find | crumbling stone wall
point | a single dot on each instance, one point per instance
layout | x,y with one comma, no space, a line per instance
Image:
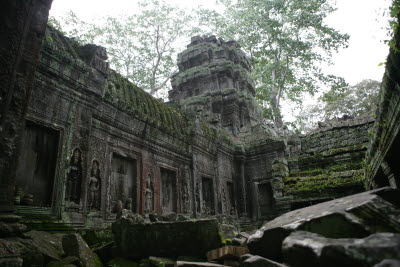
325,164
118,147
23,25
115,146
382,168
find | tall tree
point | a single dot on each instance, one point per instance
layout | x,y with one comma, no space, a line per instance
355,100
141,46
286,41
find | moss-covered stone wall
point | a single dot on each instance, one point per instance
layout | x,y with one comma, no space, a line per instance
326,163
382,167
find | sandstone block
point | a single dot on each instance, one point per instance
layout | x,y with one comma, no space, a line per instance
227,252
355,216
302,249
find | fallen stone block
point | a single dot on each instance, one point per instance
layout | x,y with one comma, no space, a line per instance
388,263
196,264
48,244
165,239
305,249
258,261
226,253
156,261
105,252
238,241
74,245
355,216
14,250
66,262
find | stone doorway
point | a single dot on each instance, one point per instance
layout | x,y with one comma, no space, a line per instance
231,196
168,190
265,199
123,181
37,166
208,195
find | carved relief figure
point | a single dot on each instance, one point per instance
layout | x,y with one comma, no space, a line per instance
94,186
121,183
223,193
185,196
74,177
197,196
148,202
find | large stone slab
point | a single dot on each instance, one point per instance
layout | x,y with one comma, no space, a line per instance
257,261
74,245
305,249
165,239
48,244
354,216
196,264
227,252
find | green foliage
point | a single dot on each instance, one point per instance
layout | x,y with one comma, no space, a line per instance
394,23
286,41
355,100
142,46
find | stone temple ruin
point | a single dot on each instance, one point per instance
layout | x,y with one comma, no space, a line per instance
93,139
92,149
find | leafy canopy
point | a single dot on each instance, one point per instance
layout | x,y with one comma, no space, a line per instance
357,100
141,46
286,41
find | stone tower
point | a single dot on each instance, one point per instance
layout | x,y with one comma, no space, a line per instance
214,81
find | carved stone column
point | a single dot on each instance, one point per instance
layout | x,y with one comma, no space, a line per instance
22,27
242,189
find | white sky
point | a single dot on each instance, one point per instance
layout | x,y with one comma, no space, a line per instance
362,19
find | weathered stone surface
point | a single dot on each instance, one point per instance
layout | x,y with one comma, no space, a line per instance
383,151
129,216
105,252
349,217
74,245
238,241
196,264
48,244
258,261
388,263
156,261
165,239
228,225
66,262
227,252
14,249
302,249
324,164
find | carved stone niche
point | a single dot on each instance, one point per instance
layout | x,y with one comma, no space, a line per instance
207,196
168,190
231,198
265,198
123,182
37,166
94,187
149,195
74,178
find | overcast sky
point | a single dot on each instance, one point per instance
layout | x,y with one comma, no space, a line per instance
362,19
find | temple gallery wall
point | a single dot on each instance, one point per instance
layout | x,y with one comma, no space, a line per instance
94,141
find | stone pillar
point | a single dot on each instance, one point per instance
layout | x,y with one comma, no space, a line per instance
242,190
280,170
23,24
